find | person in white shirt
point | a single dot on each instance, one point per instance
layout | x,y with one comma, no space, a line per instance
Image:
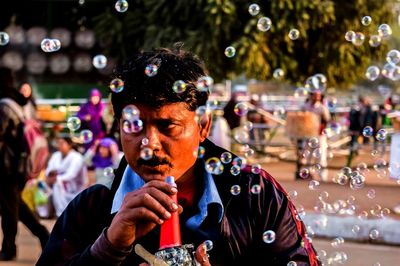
66,173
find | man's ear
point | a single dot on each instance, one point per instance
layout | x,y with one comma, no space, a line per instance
205,126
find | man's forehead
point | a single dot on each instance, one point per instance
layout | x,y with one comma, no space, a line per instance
166,111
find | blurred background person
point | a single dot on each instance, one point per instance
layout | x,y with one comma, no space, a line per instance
13,176
30,107
66,174
103,156
91,114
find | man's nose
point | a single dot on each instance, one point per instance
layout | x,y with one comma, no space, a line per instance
151,139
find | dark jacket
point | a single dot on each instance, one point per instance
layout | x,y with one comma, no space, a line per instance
11,136
237,239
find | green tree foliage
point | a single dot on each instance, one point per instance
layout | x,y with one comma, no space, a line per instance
207,27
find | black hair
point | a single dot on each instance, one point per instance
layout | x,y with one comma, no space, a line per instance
7,77
156,91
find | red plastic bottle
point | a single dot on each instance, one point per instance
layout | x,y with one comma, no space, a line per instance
170,235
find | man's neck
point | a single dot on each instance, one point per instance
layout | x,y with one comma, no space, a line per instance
189,187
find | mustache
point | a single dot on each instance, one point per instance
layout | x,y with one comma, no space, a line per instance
154,161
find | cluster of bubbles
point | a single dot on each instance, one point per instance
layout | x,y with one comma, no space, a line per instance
74,124
131,119
99,61
390,70
358,38
50,45
4,38
121,6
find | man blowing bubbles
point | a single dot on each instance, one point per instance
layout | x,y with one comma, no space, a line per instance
160,136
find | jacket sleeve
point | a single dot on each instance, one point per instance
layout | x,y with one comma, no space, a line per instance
77,229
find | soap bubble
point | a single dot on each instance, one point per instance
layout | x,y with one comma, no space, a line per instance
212,165
384,30
304,173
130,112
367,131
205,83
117,85
357,181
337,241
278,73
291,263
374,234
349,36
151,70
50,45
264,24
362,167
145,141
355,229
4,38
375,40
134,126
248,125
294,34
235,190
230,51
255,189
108,172
241,109
208,245
73,123
381,134
292,194
366,20
146,153
200,152
301,91
235,170
99,61
254,9
256,168
372,73
121,6
313,143
269,236
393,57
371,194
226,157
86,136
179,86
239,161
248,153
358,39
240,135
313,185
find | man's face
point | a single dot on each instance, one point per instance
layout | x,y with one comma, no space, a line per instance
173,135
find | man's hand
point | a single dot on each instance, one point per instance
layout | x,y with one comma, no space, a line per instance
140,212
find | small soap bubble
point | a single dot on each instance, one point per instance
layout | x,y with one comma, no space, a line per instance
212,165
358,39
241,135
294,34
145,141
304,173
371,194
56,45
374,234
264,24
313,143
349,36
205,83
278,73
381,134
366,20
292,194
73,123
179,86
362,167
363,215
368,131
108,172
317,153
313,185
384,212
393,57
235,170
86,136
256,168
137,125
355,229
255,189
375,40
254,9
249,153
4,38
291,263
200,152
99,61
117,85
239,161
235,190
337,241
269,236
121,6
130,112
127,126
146,153
301,91
248,125
46,45
374,153
226,157
372,73
357,181
230,51
384,30
151,70
241,109
208,245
